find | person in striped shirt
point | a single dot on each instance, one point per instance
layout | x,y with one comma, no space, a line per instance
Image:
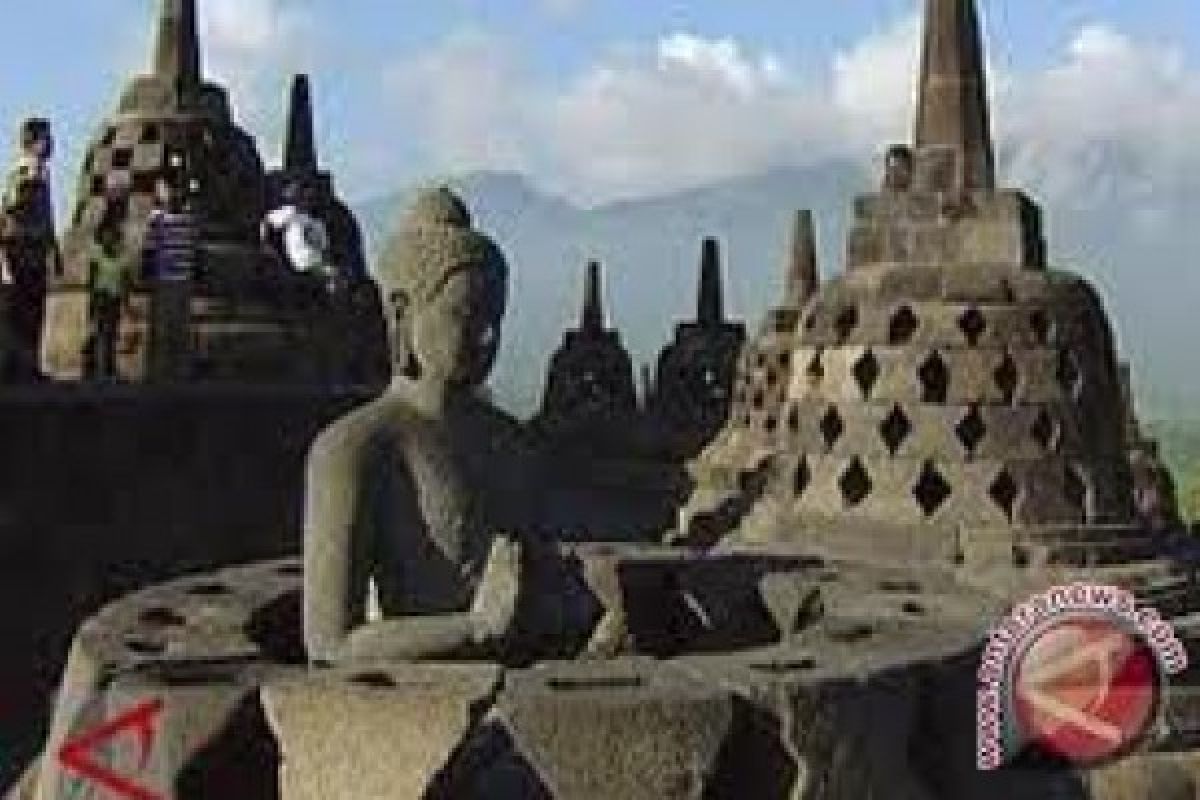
172,233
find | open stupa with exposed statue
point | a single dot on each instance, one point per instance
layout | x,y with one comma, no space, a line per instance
911,446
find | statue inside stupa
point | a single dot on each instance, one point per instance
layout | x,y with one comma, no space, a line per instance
418,494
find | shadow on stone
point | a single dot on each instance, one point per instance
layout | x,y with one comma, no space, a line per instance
241,761
489,767
753,761
278,629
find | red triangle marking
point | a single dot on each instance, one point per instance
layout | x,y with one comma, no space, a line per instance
76,754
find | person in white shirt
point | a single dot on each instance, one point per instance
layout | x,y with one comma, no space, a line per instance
304,235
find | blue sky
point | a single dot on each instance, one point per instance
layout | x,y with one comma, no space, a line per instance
376,133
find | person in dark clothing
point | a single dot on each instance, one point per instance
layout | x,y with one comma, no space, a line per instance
29,245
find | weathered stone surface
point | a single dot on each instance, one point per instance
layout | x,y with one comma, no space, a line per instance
374,733
628,729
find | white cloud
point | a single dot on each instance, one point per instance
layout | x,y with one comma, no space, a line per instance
254,47
470,102
1111,114
1114,117
873,82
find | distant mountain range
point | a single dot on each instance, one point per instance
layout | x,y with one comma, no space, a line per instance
1145,269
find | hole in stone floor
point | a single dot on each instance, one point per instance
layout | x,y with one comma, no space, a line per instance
599,682
916,609
209,590
781,667
896,586
852,633
291,570
162,617
145,647
375,680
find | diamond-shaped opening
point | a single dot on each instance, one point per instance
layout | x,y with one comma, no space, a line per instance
760,400
971,430
122,158
1070,377
855,484
760,361
771,424
793,420
866,373
99,185
1004,492
772,378
1043,328
785,360
110,136
903,326
144,183
932,490
803,477
1076,490
846,322
815,370
1046,431
1007,378
151,133
895,429
973,325
832,427
935,379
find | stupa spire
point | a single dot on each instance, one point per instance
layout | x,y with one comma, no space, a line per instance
300,147
710,305
952,107
593,301
802,280
177,46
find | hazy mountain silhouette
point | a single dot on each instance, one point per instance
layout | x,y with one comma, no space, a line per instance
650,247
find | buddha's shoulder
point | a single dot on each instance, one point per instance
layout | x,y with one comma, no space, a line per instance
364,429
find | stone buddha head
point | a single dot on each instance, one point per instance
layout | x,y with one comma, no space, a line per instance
445,289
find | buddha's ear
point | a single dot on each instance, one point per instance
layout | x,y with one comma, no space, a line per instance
399,307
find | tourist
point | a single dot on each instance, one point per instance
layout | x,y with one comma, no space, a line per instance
172,231
28,245
305,237
109,279
171,262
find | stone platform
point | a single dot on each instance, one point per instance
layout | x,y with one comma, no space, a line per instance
755,675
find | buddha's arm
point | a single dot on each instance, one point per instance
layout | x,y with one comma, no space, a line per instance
416,638
336,537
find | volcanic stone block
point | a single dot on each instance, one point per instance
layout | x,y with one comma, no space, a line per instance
634,729
374,735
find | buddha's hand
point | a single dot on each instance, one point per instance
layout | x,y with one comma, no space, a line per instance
495,607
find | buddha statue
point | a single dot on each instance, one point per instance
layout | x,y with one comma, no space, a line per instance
412,499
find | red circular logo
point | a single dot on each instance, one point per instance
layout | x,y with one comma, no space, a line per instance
1085,689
